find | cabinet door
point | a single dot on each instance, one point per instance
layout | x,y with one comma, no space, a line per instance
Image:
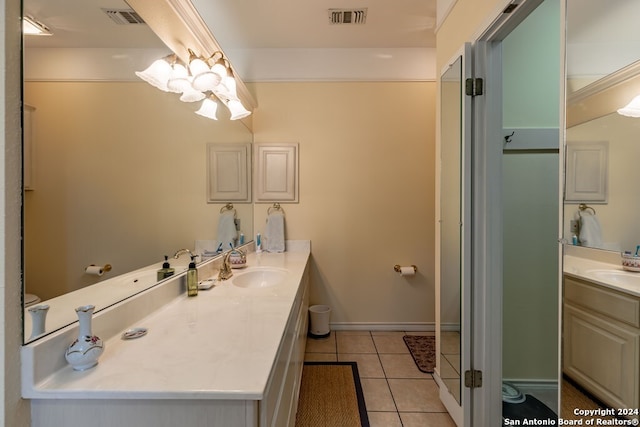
602,356
276,169
228,173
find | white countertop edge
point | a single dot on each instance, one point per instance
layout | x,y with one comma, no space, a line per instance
146,395
579,267
67,384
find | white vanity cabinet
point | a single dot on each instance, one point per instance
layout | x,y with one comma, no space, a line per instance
240,364
278,408
601,341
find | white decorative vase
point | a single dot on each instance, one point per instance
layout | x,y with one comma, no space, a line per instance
38,319
84,352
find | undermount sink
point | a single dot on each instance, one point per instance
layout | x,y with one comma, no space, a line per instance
616,276
259,277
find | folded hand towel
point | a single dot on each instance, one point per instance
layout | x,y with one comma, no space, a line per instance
226,231
274,232
590,231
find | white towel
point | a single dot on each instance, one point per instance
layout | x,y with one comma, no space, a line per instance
274,233
226,231
590,231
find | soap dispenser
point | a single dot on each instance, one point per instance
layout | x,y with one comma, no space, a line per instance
166,269
192,278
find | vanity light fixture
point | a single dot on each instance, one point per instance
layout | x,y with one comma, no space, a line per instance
32,27
237,109
198,81
179,79
632,109
159,72
229,89
204,78
208,108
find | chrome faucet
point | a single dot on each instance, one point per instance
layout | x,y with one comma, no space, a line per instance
182,252
225,271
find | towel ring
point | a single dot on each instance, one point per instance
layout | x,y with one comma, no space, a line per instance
583,207
276,207
228,207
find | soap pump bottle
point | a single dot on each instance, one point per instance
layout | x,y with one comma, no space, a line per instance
166,269
192,278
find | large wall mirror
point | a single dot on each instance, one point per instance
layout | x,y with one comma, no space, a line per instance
451,195
115,170
603,69
603,75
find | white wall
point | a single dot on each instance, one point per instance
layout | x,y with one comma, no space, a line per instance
366,193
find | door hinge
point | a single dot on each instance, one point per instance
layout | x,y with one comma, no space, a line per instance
473,379
474,87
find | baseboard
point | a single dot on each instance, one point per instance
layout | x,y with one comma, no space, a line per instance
450,327
375,326
532,384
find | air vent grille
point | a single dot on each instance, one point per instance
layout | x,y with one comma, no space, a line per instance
124,16
348,16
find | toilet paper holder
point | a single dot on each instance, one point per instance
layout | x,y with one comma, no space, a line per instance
94,269
398,269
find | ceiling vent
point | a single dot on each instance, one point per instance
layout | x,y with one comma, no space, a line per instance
124,16
348,16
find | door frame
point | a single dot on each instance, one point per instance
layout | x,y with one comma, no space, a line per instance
487,218
460,412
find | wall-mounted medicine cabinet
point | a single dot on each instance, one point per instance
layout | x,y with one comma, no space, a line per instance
229,173
276,173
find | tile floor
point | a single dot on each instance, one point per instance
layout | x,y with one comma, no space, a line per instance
396,393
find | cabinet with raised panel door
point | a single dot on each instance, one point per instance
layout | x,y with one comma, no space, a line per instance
601,341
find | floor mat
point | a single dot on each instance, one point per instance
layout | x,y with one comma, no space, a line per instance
423,351
331,395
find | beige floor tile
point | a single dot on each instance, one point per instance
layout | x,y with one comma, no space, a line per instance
374,333
390,343
377,395
423,419
353,332
355,343
384,419
416,395
322,345
454,360
401,366
369,365
320,357
450,343
447,370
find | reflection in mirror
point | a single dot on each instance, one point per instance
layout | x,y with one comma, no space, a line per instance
618,216
603,56
601,38
118,171
596,89
450,230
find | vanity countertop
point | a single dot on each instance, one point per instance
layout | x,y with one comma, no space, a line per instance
607,274
221,344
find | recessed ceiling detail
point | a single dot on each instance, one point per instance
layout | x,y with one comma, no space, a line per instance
348,16
124,16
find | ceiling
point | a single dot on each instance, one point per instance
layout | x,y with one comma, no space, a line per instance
250,24
596,29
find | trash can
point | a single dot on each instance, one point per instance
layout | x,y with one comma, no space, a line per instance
319,321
